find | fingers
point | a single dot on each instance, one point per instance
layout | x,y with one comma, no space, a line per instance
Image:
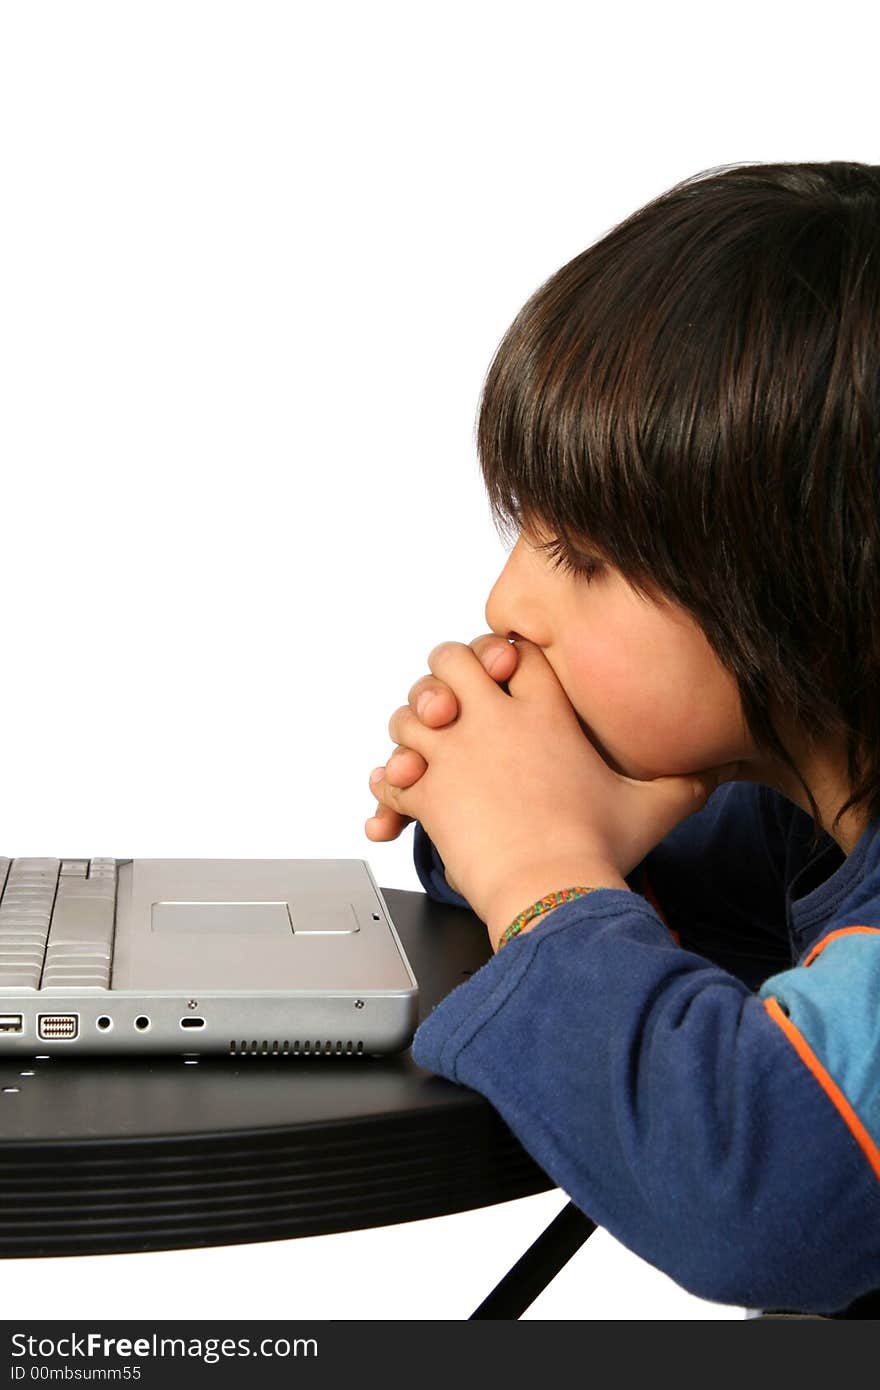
433,700
404,767
386,824
435,705
534,674
498,656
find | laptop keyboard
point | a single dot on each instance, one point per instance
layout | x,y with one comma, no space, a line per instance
57,920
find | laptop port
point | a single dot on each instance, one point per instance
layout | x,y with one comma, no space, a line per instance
191,1022
11,1023
64,1026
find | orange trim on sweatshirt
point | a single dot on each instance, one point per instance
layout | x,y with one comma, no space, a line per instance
828,1084
839,931
652,898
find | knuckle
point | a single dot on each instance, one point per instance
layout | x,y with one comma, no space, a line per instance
395,722
424,683
391,793
395,767
442,650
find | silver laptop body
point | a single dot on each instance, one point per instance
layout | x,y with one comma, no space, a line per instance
240,956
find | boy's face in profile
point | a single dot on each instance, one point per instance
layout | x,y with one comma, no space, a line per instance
645,682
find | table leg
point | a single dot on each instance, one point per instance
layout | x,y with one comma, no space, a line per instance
542,1262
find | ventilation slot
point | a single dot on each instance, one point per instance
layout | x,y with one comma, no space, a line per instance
295,1049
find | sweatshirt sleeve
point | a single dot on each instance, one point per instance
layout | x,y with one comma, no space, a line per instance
660,1093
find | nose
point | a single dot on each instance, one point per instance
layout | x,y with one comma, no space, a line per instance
495,608
505,604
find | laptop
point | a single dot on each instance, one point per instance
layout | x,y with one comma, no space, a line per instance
255,957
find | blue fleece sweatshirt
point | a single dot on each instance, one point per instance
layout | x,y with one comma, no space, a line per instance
697,1062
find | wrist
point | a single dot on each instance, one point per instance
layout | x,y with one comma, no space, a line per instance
516,896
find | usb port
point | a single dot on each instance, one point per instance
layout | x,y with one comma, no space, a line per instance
11,1023
190,1022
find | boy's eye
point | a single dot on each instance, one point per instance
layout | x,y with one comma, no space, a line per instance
564,559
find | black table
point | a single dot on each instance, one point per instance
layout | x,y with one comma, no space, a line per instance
105,1156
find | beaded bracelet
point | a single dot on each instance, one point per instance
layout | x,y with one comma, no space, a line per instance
546,904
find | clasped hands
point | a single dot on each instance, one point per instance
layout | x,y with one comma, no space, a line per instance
510,789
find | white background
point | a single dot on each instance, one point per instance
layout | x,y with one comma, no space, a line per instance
256,258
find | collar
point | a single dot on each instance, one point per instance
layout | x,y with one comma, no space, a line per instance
844,882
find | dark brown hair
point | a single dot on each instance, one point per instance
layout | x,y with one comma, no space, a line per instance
696,399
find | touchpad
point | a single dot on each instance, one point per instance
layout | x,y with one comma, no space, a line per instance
246,918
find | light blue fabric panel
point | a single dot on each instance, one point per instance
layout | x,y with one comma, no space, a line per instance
835,1005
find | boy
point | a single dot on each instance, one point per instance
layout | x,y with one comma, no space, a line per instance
681,1021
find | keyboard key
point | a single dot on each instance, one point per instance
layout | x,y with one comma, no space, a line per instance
25,913
83,924
78,867
78,898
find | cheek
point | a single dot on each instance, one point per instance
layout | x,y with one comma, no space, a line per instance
655,699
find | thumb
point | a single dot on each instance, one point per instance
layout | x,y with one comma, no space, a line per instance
658,806
681,796
716,776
